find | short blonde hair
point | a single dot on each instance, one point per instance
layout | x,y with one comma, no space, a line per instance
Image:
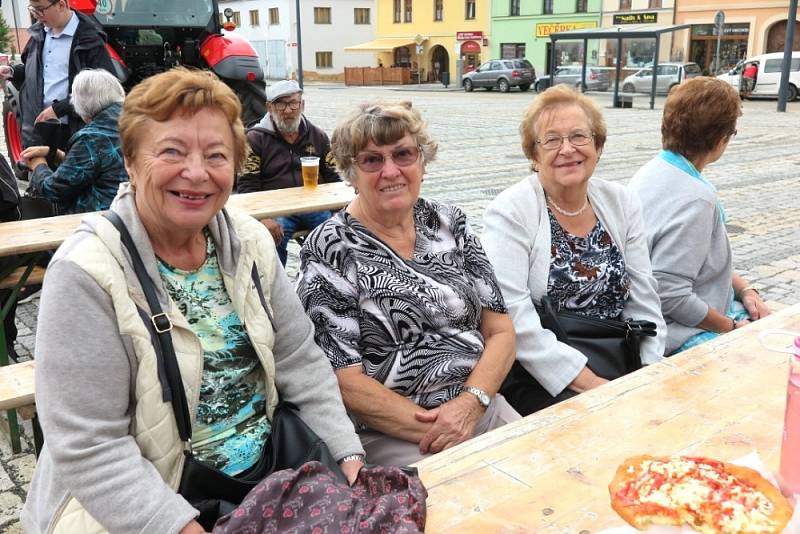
698,114
381,123
555,97
185,92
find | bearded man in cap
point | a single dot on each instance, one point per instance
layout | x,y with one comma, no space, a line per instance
277,143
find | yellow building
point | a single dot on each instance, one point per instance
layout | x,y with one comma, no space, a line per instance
431,36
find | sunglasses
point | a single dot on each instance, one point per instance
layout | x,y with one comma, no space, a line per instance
373,161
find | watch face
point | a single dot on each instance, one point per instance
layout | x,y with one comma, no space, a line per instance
485,400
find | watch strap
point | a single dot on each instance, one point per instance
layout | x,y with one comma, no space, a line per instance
483,398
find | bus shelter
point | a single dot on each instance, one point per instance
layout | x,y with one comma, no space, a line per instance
617,34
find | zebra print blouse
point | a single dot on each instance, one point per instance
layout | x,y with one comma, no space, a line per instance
413,325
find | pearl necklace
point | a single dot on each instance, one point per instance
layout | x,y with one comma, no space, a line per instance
565,212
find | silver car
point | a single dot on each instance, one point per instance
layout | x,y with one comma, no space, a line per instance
502,74
669,75
597,79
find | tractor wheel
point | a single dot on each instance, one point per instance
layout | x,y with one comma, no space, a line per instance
12,128
253,98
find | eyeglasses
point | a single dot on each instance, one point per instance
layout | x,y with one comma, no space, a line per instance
281,106
39,11
576,138
373,161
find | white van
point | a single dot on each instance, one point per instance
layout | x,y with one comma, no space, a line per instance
769,75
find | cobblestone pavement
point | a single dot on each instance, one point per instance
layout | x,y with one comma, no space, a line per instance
758,179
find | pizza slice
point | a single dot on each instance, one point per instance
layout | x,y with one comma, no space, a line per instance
707,495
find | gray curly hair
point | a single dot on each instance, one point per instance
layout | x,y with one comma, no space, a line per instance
381,123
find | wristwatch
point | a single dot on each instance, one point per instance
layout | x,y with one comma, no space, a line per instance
483,397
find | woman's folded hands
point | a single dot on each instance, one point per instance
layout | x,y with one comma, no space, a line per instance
453,422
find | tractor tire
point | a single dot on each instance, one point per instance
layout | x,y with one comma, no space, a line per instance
628,88
468,85
253,97
12,128
503,86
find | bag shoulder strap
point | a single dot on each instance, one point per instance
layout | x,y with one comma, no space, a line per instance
163,327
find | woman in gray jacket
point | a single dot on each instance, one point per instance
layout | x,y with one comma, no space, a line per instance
577,239
701,295
113,458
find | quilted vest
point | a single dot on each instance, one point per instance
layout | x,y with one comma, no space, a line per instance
100,257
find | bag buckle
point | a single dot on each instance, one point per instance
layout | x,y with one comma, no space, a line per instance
161,323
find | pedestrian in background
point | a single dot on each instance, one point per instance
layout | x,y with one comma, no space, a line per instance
62,43
277,143
701,295
90,174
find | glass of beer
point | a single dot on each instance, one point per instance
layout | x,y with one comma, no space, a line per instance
310,165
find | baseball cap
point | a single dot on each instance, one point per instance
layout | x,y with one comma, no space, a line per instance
281,89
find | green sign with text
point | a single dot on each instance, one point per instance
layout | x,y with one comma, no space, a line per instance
636,18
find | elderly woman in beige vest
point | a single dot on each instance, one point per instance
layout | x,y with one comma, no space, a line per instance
113,458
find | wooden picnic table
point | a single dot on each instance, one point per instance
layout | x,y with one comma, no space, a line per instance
36,235
550,471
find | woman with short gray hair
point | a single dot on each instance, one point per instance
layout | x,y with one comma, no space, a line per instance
93,168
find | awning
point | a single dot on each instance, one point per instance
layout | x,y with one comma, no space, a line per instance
380,45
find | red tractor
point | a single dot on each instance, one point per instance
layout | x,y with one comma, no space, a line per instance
146,37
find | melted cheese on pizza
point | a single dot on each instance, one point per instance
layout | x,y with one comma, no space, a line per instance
704,490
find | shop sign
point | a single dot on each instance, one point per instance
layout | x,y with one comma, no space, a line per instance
469,36
703,30
636,18
544,30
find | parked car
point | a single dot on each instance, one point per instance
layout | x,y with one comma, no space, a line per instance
769,75
502,74
597,79
669,75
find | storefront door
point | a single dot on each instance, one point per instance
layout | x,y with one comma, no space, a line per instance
471,54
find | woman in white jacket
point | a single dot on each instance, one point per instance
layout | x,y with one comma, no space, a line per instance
578,240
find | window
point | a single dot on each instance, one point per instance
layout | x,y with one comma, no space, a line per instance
324,60
547,7
254,18
408,11
397,10
237,19
402,56
654,4
513,9
624,5
512,50
438,10
580,6
469,11
775,65
274,16
322,15
361,15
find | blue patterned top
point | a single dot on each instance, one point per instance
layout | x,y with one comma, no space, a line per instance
231,425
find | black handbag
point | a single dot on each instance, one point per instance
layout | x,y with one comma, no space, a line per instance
291,442
613,349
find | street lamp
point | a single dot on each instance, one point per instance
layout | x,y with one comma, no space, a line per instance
299,47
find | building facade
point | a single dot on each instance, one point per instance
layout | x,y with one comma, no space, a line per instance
522,28
752,27
626,14
432,36
326,28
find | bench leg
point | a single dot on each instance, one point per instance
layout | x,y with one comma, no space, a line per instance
13,425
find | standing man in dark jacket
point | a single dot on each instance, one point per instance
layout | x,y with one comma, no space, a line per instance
277,143
62,43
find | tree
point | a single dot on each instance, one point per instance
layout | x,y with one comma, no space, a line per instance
5,35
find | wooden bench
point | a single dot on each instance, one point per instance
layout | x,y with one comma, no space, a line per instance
17,397
11,281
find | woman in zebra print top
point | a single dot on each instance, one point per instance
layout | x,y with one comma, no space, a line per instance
404,301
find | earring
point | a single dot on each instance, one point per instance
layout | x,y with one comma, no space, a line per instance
534,167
